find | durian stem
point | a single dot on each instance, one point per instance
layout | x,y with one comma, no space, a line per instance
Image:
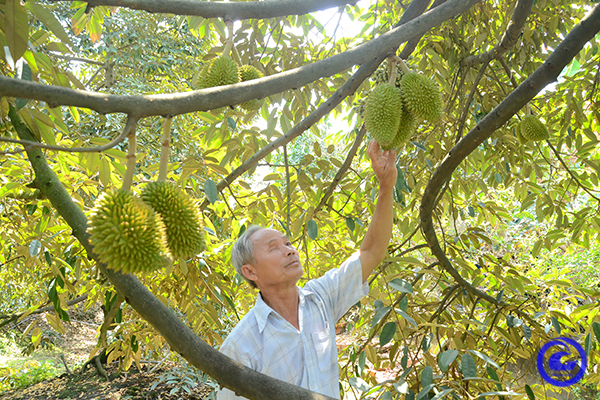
402,65
128,179
236,56
165,150
229,42
528,109
392,71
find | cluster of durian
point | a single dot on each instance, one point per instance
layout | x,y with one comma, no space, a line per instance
531,129
391,112
223,70
144,234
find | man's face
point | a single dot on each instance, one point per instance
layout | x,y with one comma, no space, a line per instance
277,261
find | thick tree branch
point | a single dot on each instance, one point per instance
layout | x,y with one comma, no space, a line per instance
510,37
545,74
411,45
216,9
213,98
231,374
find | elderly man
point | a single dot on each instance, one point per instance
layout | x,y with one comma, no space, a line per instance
290,332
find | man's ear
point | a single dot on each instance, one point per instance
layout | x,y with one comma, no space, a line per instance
248,272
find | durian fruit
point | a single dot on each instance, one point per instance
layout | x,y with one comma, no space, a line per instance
248,72
182,219
421,96
127,234
406,128
519,135
383,109
220,71
531,128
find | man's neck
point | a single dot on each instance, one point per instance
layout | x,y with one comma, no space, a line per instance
284,302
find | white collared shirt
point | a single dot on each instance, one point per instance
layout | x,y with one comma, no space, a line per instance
267,343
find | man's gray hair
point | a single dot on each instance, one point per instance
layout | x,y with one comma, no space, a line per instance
243,252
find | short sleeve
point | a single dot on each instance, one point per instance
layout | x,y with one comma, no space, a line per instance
228,348
340,288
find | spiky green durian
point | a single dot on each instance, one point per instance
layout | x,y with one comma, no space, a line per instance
383,109
531,128
421,96
182,219
127,234
519,135
248,72
220,71
406,128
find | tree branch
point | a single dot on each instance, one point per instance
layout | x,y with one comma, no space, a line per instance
545,74
216,9
510,37
213,98
13,317
410,46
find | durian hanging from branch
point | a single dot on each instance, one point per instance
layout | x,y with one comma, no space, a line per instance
531,128
126,233
180,214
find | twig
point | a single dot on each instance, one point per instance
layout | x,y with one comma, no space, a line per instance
463,117
287,189
108,318
131,156
339,175
165,150
581,185
29,144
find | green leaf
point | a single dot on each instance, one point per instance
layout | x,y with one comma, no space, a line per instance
401,285
493,375
596,329
407,317
426,343
17,29
312,229
526,331
447,358
555,324
588,344
425,391
387,333
529,392
350,224
498,177
379,314
210,189
50,21
427,376
484,358
23,72
34,247
231,123
468,366
359,384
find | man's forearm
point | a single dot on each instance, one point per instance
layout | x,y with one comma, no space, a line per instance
374,246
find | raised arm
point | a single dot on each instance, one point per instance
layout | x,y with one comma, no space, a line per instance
374,245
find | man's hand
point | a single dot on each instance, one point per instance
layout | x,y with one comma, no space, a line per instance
384,165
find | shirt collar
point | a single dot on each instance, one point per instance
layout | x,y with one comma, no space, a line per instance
262,310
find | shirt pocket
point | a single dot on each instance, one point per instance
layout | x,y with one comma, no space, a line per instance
322,345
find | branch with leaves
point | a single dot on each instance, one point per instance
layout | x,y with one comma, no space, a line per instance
548,72
509,39
213,98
